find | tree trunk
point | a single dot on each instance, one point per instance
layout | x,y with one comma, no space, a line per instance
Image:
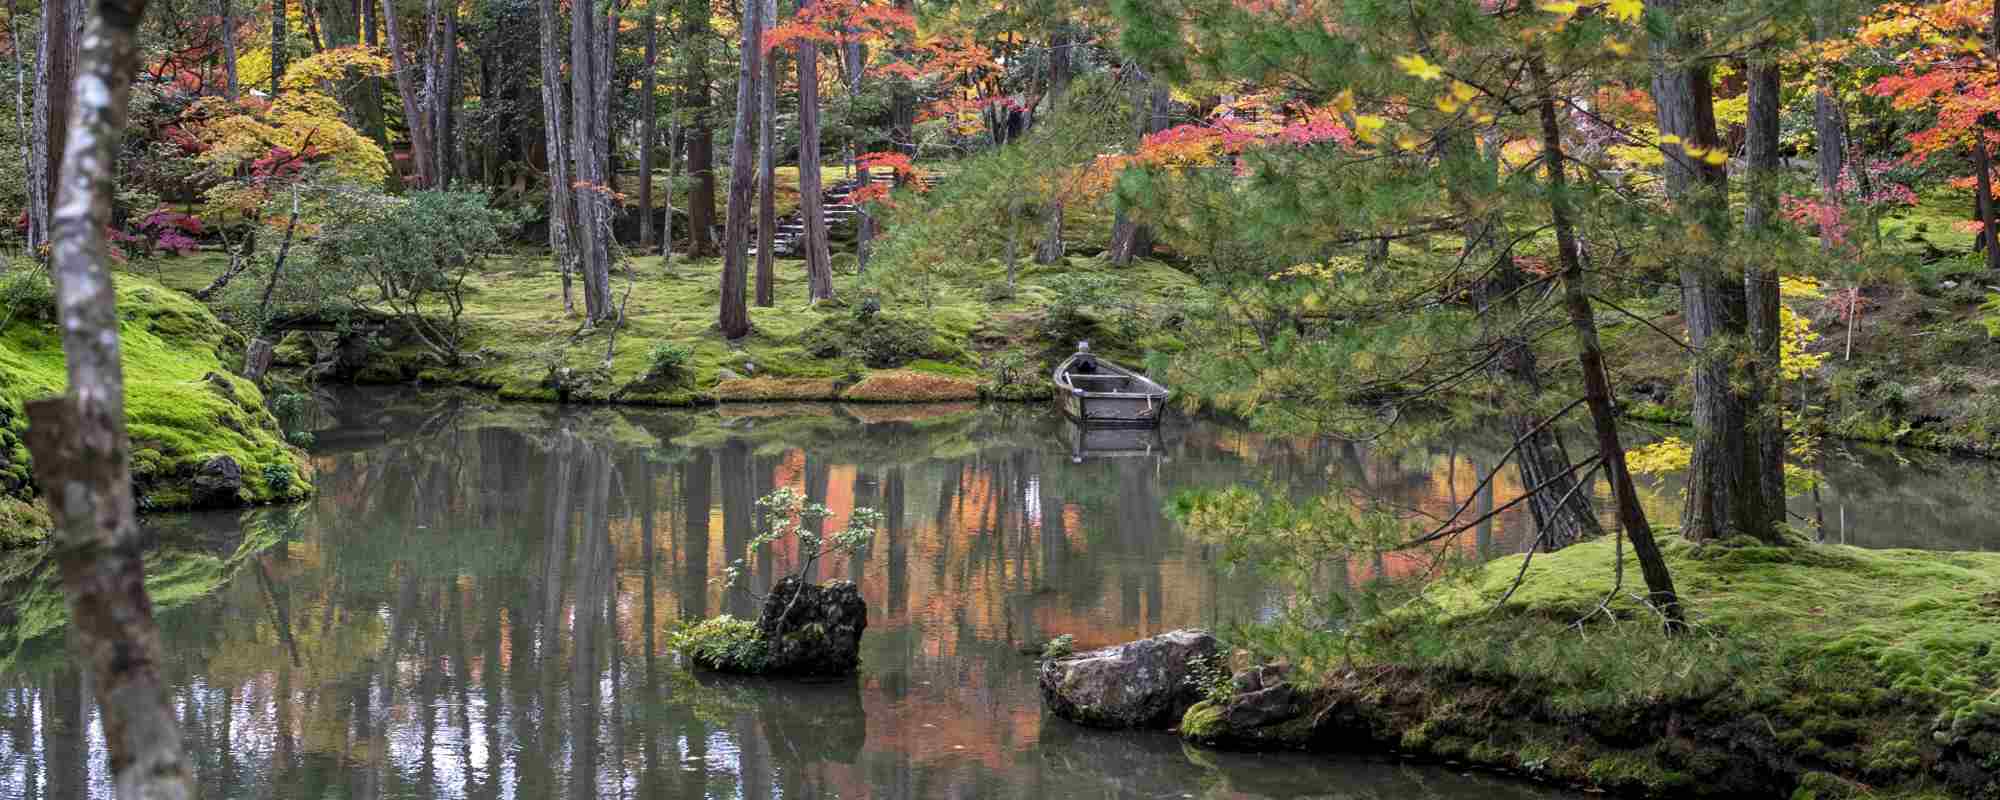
446,99
368,96
1129,239
414,115
1050,250
81,453
767,170
555,103
55,77
673,174
1060,72
648,125
280,36
230,88
701,133
1760,221
1829,129
1597,384
819,259
902,109
735,316
587,63
1982,167
1724,495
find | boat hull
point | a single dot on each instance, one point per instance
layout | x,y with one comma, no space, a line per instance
1125,410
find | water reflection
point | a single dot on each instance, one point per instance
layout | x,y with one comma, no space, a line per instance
475,606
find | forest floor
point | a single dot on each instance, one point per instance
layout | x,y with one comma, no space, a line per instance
1822,672
523,345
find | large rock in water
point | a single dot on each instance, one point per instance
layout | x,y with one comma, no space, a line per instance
1142,684
814,631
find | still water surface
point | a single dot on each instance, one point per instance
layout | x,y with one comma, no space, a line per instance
476,605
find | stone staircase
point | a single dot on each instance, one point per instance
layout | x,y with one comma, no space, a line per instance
791,233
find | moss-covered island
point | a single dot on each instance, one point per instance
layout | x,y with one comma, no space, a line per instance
201,435
1810,672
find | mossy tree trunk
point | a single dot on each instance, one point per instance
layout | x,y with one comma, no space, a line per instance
81,451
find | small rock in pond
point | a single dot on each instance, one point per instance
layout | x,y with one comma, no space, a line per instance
217,484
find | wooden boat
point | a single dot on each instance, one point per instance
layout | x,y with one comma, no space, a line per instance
1094,391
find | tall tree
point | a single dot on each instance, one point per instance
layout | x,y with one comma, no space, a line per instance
280,39
1129,239
55,71
1590,358
649,128
81,452
735,316
1761,224
1724,493
700,132
555,105
415,115
228,25
767,169
819,259
590,80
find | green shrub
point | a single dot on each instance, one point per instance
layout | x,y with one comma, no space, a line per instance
724,643
881,341
670,361
1059,647
26,293
279,478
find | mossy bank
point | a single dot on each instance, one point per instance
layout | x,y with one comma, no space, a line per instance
965,335
186,410
1811,672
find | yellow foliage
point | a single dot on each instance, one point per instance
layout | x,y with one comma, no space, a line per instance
1800,288
1795,336
1418,67
1626,10
1660,458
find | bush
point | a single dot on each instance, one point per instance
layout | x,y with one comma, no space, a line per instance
881,341
26,293
410,257
279,478
724,643
670,362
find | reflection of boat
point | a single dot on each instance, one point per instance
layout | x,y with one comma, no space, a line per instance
1095,441
1097,392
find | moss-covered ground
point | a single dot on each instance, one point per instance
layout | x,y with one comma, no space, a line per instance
1811,671
923,346
184,407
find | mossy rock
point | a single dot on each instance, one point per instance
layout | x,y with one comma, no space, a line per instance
184,408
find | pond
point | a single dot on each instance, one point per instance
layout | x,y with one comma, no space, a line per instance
475,605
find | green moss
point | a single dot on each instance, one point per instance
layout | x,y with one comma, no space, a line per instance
1202,722
183,406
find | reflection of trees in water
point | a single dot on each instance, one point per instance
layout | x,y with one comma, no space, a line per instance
474,610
